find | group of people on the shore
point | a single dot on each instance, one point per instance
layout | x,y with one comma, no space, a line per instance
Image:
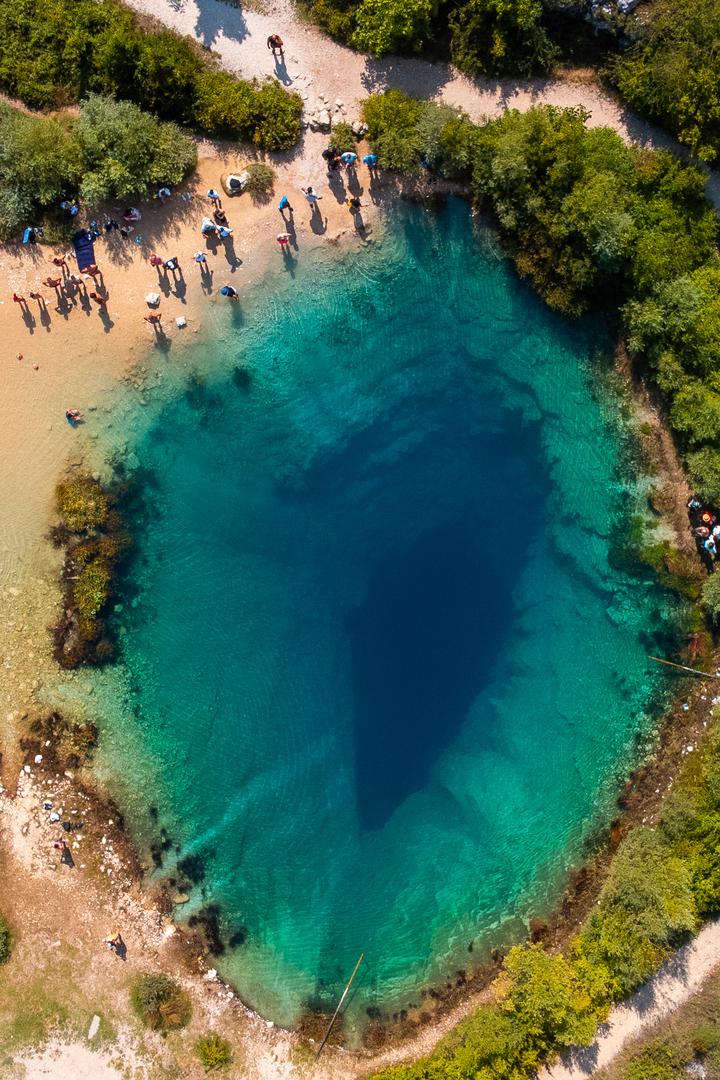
87,285
705,529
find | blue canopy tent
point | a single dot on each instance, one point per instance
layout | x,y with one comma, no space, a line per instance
84,249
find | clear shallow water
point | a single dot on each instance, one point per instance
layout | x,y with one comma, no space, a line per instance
385,672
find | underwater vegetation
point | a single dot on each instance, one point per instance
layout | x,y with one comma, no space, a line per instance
94,537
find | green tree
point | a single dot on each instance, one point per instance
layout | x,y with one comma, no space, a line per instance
671,75
496,37
125,150
645,906
383,26
392,120
545,996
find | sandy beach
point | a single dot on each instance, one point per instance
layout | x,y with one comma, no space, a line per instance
66,356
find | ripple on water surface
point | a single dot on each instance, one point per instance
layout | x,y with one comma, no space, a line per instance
382,664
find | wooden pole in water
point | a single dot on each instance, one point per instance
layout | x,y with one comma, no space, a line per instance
331,1025
683,667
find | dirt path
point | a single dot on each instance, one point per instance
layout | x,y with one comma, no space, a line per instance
674,984
324,72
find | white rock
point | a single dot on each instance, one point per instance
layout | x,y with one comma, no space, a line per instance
210,975
94,1025
38,759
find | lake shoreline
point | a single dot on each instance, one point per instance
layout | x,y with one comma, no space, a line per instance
641,794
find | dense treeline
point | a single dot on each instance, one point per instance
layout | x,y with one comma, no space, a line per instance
673,74
110,150
486,37
54,52
590,220
661,883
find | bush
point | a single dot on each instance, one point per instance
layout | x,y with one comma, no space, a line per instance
213,1052
260,179
645,907
392,120
126,150
275,117
383,26
343,137
499,37
672,74
5,940
160,1003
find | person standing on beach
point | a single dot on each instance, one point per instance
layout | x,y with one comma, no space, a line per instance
230,292
18,299
283,240
312,196
214,197
39,297
199,257
275,44
52,282
155,260
348,159
60,261
101,300
371,160
284,205
153,318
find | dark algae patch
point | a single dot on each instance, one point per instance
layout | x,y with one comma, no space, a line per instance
92,533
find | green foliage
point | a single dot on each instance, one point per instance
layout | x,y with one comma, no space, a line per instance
392,120
126,150
55,52
498,37
160,1003
487,37
260,179
5,940
711,597
645,906
672,74
343,136
656,1061
275,116
546,999
383,26
213,1052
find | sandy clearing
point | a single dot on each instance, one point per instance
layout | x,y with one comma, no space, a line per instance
59,1061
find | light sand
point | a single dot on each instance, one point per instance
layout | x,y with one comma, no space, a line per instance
79,360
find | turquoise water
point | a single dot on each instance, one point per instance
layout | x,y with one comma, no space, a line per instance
385,670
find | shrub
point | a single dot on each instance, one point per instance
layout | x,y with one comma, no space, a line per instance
645,906
5,940
392,120
659,1060
275,117
343,137
671,75
260,179
160,1003
126,150
497,37
213,1052
383,26
704,472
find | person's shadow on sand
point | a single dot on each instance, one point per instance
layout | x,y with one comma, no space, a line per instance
281,72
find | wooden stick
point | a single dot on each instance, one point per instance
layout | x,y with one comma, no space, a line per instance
682,667
339,1007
